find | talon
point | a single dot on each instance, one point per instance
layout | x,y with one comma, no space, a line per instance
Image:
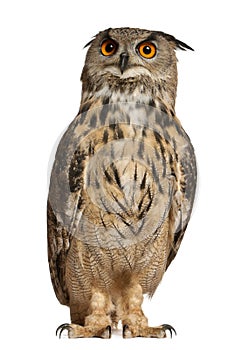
124,329
125,326
169,328
109,330
61,328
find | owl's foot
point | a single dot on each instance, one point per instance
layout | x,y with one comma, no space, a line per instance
147,332
77,331
135,323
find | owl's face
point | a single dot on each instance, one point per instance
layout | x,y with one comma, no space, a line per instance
125,53
131,64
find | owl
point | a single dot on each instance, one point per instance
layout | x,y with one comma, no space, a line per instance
122,186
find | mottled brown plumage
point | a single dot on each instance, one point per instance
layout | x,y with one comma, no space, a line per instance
122,185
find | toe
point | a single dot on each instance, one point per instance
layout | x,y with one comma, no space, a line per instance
106,333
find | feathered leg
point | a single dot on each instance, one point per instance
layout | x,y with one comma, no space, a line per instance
98,321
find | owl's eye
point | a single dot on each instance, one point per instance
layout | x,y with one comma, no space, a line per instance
147,49
108,47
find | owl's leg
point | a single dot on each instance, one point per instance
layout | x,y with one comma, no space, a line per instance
134,322
96,323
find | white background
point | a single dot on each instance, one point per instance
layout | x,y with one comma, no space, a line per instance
204,293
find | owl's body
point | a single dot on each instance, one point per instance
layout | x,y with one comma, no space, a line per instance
122,185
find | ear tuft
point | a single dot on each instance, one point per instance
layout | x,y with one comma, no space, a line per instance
179,44
182,46
89,43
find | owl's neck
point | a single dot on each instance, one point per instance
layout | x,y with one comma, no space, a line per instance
140,89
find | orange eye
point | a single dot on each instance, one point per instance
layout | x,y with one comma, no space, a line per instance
147,49
108,47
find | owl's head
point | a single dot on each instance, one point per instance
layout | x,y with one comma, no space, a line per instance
128,55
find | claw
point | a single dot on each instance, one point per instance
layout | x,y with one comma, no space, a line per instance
169,328
61,328
110,331
125,326
125,334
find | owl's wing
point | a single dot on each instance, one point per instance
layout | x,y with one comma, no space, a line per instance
61,208
184,193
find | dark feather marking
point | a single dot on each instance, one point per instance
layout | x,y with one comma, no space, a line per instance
145,210
154,173
105,136
108,177
119,203
119,132
164,109
135,172
164,167
81,202
93,120
103,115
102,221
75,170
152,103
91,148
123,220
105,101
116,175
97,184
143,183
158,138
112,127
150,197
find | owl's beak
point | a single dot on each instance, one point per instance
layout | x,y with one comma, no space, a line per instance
123,61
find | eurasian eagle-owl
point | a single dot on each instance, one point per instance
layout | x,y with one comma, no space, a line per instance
122,185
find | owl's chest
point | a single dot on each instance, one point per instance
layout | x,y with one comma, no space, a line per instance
122,175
